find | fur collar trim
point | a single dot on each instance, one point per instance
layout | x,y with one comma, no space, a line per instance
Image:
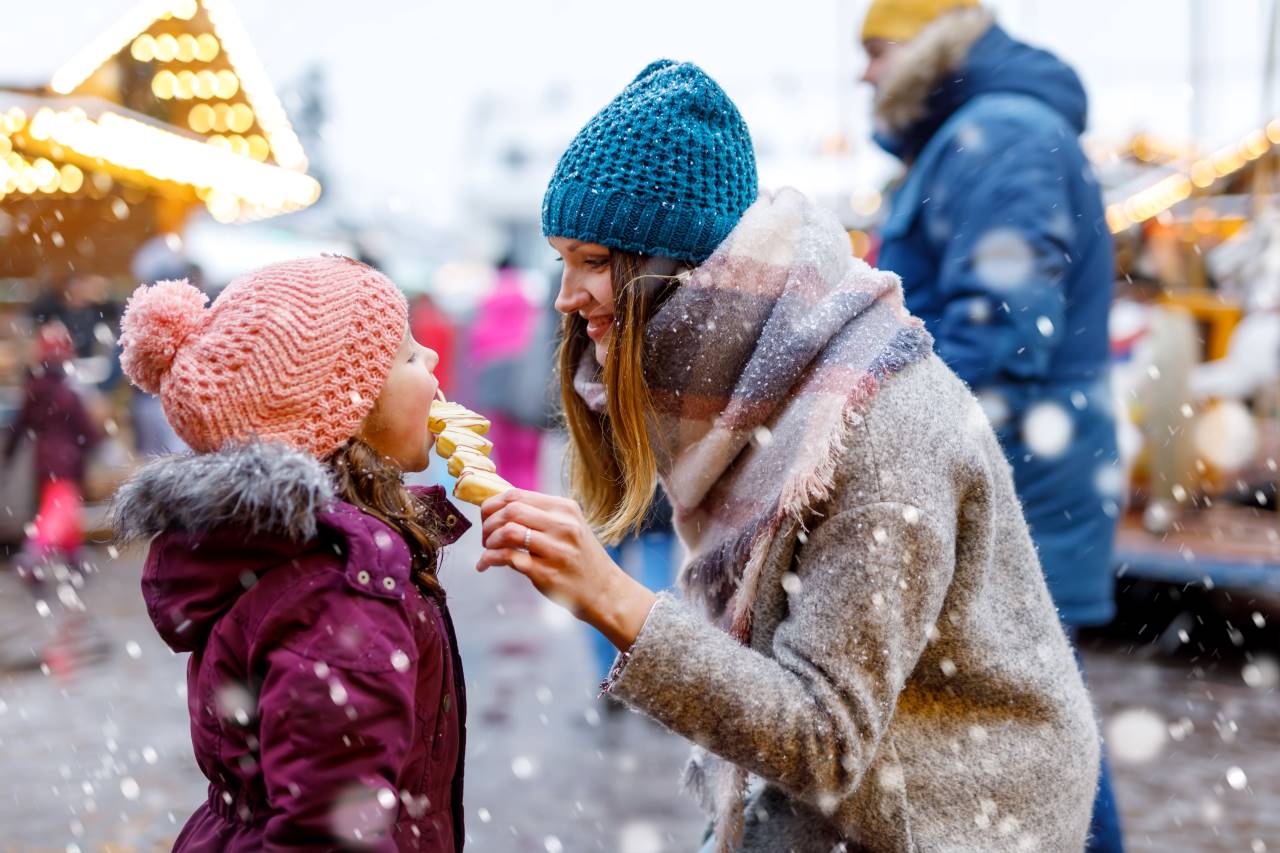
261,487
940,48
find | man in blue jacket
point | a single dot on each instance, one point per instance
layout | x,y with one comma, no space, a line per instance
999,234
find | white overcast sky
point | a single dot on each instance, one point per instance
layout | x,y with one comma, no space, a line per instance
404,75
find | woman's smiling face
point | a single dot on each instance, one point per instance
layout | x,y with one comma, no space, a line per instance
586,288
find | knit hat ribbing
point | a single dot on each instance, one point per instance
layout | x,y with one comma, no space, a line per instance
295,352
667,168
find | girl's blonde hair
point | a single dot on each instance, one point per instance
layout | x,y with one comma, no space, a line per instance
612,467
369,481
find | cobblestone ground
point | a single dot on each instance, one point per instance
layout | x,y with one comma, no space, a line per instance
99,758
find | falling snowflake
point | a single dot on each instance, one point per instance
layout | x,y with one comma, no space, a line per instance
1003,259
1047,430
1136,735
994,407
640,837
1262,674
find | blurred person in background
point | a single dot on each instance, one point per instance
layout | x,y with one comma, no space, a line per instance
434,329
999,235
431,327
82,305
52,557
503,333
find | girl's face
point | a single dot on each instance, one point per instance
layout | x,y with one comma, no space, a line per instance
586,288
397,425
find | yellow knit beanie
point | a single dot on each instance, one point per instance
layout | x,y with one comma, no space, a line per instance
902,20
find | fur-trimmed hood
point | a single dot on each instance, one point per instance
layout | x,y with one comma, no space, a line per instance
955,58
260,487
219,522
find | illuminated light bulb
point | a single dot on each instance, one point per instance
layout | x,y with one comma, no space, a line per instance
1203,174
221,116
46,175
1273,131
207,47
71,179
241,118
219,141
185,87
27,183
6,145
143,48
1256,144
1116,220
865,202
166,48
258,148
186,47
206,84
228,84
200,119
1227,161
184,9
223,206
39,129
164,85
239,145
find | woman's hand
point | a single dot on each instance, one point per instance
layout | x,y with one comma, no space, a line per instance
564,561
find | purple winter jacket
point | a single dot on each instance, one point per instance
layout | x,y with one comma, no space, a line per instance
325,691
63,431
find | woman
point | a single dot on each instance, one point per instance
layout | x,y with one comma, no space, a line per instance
865,630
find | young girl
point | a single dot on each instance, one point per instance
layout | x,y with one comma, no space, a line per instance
867,655
324,686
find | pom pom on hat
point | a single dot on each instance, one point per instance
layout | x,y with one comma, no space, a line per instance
157,321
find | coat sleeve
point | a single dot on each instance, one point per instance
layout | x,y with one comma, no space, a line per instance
16,430
869,585
336,727
1002,225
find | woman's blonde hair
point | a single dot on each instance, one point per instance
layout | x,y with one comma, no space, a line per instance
612,467
367,480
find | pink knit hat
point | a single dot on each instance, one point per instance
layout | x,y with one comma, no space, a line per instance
295,352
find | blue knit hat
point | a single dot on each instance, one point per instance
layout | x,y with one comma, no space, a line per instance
666,169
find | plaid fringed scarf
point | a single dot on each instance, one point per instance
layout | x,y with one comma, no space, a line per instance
757,364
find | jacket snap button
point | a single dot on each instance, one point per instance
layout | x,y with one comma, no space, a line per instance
444,705
451,521
389,583
363,576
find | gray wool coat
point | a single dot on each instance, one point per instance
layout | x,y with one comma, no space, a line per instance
908,686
